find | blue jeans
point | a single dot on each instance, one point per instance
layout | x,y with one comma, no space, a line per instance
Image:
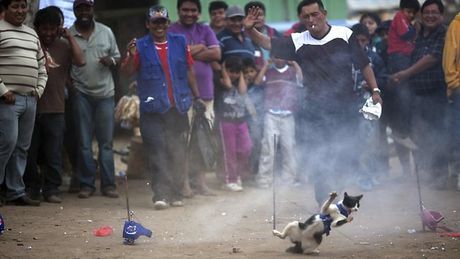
46,150
16,127
95,116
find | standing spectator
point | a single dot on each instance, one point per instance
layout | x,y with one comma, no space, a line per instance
22,81
401,37
48,135
234,128
426,78
256,113
282,81
204,48
94,99
372,21
165,84
260,53
451,65
233,41
325,54
373,145
299,26
217,15
381,46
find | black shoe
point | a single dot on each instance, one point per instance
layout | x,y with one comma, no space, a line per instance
85,193
24,201
33,194
110,192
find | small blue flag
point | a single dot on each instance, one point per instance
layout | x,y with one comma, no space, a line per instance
133,230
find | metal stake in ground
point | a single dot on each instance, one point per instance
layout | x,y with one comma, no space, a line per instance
132,230
275,147
127,197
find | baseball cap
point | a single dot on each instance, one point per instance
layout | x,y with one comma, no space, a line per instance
233,11
80,2
157,12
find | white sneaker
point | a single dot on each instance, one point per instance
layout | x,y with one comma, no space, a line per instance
234,187
177,203
161,205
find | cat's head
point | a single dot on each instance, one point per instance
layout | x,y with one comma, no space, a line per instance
351,202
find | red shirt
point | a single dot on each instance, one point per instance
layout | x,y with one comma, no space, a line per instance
162,50
400,26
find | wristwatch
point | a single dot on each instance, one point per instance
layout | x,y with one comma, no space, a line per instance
376,90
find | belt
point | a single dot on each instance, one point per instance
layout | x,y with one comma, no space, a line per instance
33,93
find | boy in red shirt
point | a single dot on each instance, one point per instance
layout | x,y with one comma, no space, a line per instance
401,39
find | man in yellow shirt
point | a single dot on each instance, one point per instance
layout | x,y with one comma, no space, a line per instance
451,65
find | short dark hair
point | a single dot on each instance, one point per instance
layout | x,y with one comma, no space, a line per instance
234,63
410,4
361,29
373,16
47,16
249,63
214,5
197,2
58,11
436,2
309,2
258,4
6,3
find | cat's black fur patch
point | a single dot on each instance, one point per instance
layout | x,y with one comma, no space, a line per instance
318,236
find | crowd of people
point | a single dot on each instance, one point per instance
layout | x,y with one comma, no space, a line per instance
274,105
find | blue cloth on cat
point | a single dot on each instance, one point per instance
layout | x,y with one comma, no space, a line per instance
327,221
342,209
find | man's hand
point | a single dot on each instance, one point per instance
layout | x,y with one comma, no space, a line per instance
199,105
9,97
131,47
65,33
251,18
376,98
197,48
398,77
107,61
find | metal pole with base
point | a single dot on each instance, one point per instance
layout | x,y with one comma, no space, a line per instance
275,146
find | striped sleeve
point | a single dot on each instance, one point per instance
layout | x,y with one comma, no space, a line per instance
42,75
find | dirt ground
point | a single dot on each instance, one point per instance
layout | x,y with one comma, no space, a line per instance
230,225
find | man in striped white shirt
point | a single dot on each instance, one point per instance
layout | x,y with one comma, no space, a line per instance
22,81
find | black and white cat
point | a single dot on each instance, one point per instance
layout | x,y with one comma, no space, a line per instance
307,236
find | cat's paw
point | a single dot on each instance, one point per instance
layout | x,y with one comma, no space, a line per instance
276,233
333,195
349,219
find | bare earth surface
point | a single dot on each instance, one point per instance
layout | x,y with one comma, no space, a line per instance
230,225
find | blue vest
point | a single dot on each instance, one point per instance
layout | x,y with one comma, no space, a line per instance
152,86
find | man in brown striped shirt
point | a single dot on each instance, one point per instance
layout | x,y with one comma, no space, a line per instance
22,81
